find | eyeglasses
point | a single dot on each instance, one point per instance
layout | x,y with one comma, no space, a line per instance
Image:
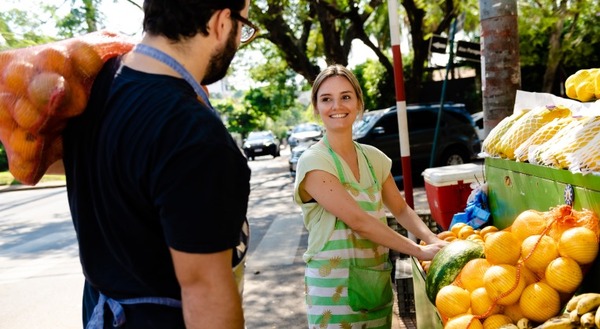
249,30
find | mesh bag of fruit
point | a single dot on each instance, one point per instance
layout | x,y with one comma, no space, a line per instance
539,137
529,271
526,126
41,87
578,136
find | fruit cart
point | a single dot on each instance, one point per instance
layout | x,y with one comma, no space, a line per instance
514,187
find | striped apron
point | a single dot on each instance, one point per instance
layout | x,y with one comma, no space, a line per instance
327,274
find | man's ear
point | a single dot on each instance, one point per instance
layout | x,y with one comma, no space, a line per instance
221,24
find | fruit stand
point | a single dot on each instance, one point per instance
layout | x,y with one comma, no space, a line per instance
516,186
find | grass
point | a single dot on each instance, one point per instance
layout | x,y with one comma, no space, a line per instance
7,179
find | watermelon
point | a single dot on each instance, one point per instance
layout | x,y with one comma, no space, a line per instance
447,263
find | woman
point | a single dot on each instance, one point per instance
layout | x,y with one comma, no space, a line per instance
342,187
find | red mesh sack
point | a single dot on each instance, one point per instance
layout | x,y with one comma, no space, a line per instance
41,87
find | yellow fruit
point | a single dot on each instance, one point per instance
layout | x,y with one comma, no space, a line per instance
452,300
445,234
502,248
25,114
564,274
465,321
495,321
482,304
527,274
16,77
502,284
486,230
538,251
85,59
539,302
527,223
50,59
513,311
464,232
47,91
580,244
471,275
456,228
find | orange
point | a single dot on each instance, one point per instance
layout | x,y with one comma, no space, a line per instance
52,59
527,223
26,115
481,303
564,274
76,101
16,77
502,248
502,284
452,300
580,244
487,230
513,311
85,60
472,273
456,227
538,251
47,91
465,321
539,302
496,321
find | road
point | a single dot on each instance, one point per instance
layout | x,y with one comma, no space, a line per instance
40,274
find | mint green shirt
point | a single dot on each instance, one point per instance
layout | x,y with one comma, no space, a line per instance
320,223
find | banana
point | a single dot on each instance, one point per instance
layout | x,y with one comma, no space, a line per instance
558,322
509,326
524,323
597,318
587,320
574,317
572,304
588,303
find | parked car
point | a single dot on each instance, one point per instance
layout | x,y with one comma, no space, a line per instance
478,119
296,152
457,140
305,132
261,143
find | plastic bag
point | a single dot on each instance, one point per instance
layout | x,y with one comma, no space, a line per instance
477,213
41,87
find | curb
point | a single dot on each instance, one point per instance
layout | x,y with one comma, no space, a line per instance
19,187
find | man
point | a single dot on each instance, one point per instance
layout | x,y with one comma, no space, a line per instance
157,187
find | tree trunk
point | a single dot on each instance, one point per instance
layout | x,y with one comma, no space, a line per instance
501,73
554,51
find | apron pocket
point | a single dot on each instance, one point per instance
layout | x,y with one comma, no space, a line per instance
369,289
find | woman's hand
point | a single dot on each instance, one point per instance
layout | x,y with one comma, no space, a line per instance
427,252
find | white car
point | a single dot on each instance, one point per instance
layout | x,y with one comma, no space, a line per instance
478,119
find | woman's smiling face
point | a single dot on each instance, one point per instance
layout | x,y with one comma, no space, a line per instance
337,103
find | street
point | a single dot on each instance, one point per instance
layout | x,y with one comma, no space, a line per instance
40,274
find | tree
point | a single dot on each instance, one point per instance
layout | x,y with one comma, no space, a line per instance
306,31
557,37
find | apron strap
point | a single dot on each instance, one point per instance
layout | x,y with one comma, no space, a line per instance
97,318
338,163
175,65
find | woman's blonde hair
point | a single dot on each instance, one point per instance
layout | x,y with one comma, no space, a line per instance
332,71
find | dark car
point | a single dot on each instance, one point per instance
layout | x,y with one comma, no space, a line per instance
261,143
457,140
296,152
305,132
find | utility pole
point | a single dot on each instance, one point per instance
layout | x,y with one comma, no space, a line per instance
500,70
